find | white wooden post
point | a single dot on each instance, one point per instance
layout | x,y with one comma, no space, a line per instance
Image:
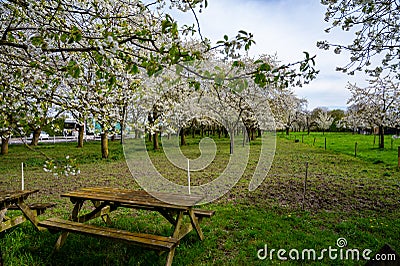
188,172
22,176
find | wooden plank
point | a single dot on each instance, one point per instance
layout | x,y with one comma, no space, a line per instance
8,198
39,207
8,195
101,210
12,222
123,199
134,197
203,213
31,215
146,240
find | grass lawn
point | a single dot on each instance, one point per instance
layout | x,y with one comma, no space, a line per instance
353,198
345,143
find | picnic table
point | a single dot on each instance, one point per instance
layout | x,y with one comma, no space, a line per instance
106,199
15,199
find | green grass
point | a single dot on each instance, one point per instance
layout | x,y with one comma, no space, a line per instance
367,145
346,197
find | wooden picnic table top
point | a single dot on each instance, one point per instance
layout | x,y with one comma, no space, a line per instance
9,197
134,198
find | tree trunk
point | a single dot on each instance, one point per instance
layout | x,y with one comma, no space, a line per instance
104,146
4,145
155,141
183,140
35,137
122,122
231,143
150,139
253,135
81,132
381,137
287,131
136,133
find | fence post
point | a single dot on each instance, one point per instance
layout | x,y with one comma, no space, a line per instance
314,142
355,150
325,143
302,138
398,156
305,187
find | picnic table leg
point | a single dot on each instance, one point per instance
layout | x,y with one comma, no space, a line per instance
195,223
103,212
3,214
176,234
170,257
31,215
77,207
61,240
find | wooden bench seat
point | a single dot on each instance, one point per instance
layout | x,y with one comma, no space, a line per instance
203,213
145,240
39,207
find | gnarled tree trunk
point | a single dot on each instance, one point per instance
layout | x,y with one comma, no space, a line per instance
35,137
104,145
4,145
156,146
381,137
80,135
183,139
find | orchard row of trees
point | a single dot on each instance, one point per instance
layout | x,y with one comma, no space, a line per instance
374,50
103,58
374,107
119,61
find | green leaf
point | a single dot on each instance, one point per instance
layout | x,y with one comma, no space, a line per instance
64,37
99,59
37,41
78,37
264,67
77,72
134,69
112,81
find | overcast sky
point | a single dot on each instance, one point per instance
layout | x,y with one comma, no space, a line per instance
286,28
